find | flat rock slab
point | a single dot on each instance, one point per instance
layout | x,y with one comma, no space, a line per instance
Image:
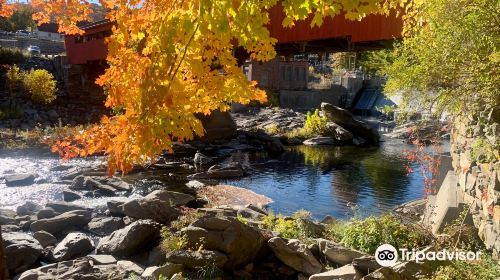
231,195
18,180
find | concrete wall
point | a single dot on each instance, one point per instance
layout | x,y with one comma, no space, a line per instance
478,171
311,99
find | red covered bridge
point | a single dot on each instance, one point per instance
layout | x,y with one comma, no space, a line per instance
337,34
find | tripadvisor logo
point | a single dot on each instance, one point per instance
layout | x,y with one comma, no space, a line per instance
387,255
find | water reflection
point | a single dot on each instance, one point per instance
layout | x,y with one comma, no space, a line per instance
331,180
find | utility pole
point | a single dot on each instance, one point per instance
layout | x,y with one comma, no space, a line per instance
4,275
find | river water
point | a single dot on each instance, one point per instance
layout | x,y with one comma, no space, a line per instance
336,181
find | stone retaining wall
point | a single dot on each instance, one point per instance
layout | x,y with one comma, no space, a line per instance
46,46
474,152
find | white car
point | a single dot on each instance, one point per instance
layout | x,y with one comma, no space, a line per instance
34,50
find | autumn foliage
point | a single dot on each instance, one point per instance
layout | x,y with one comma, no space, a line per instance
169,60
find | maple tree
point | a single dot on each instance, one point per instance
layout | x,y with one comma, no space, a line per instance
171,59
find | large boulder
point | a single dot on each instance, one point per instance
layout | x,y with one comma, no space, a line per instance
132,239
62,206
166,270
74,245
346,272
238,241
22,250
338,133
337,253
105,225
65,221
319,141
218,125
46,239
7,217
28,208
17,180
89,267
198,258
345,119
295,254
159,205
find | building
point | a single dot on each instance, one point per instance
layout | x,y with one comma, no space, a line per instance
49,31
278,74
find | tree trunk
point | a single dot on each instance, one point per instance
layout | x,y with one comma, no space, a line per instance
3,264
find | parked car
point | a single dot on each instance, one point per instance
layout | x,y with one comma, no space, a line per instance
22,33
34,50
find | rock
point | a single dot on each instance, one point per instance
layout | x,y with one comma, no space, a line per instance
46,213
78,183
62,206
238,241
196,259
295,254
317,141
160,205
366,264
61,168
218,125
10,228
402,271
28,208
74,245
130,240
313,229
46,239
22,250
69,195
7,217
328,220
345,119
156,256
102,259
338,133
275,146
107,183
194,184
346,272
18,180
105,225
53,115
201,159
82,268
233,170
116,208
65,221
166,270
177,276
337,253
130,267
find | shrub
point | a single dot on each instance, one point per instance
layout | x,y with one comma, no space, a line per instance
14,78
210,271
289,227
10,113
366,235
315,125
40,86
172,241
486,268
12,56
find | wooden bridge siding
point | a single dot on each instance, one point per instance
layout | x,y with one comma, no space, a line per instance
88,51
371,28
